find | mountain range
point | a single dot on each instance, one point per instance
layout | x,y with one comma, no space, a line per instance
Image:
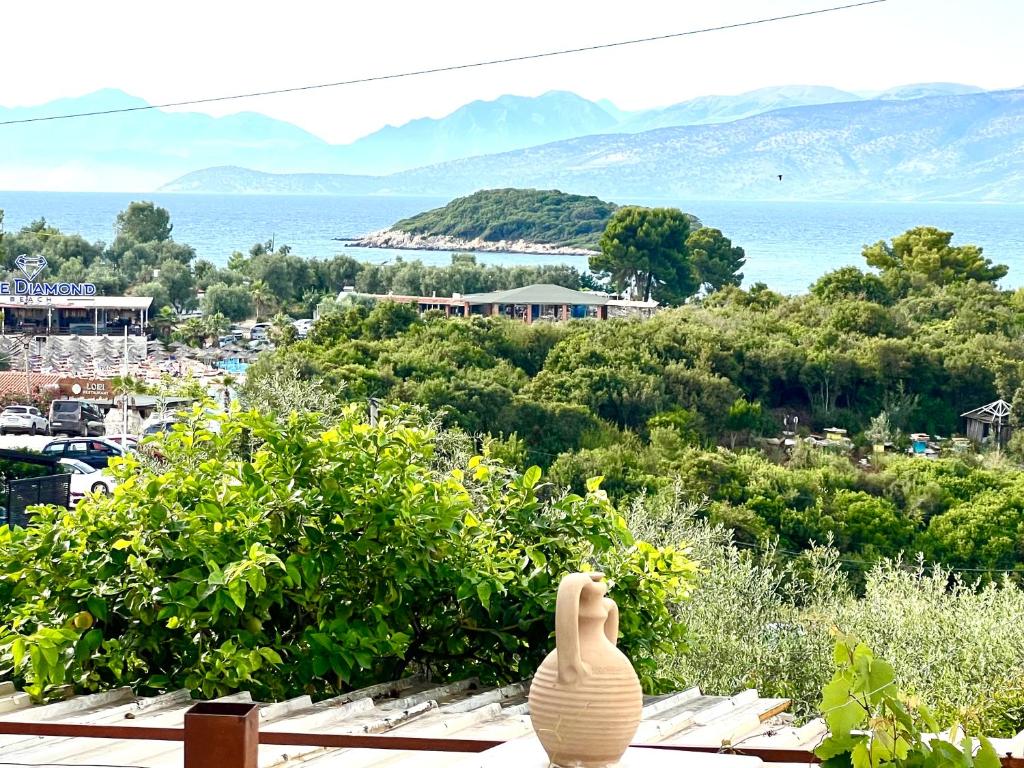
959,147
144,149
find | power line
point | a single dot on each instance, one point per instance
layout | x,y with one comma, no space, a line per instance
451,68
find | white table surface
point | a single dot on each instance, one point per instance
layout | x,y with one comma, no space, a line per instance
528,753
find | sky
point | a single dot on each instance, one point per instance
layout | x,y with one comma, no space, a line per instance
189,49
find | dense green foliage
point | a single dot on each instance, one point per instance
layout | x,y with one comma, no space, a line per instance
764,621
284,556
537,216
651,404
665,254
872,723
143,260
644,252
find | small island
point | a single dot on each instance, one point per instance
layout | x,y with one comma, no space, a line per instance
507,220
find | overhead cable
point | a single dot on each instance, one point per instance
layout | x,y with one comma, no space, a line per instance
450,68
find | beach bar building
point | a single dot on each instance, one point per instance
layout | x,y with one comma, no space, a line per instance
989,423
530,303
538,302
77,315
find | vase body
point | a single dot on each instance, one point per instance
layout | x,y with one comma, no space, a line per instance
585,700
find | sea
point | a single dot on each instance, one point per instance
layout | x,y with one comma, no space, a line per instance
788,244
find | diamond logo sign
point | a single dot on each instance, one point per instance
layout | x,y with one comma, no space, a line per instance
30,266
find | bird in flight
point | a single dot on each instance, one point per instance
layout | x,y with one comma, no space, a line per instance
780,177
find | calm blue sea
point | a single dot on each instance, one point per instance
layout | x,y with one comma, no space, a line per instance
788,245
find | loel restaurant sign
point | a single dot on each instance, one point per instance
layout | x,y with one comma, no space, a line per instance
28,290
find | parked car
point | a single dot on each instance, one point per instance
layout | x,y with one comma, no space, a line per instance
157,426
260,332
93,451
86,479
76,417
302,327
23,418
125,441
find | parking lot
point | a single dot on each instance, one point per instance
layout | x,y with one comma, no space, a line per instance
22,442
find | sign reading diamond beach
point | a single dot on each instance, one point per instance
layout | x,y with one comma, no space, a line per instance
28,291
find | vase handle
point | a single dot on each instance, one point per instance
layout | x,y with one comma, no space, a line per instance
567,627
611,624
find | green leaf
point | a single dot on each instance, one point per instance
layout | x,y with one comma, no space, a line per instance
594,484
841,712
97,607
532,476
483,591
836,745
320,666
860,755
121,544
900,714
271,655
987,756
236,591
364,659
537,557
880,679
18,651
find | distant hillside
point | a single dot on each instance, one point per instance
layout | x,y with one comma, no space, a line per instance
962,147
547,217
723,109
143,149
233,180
923,90
478,128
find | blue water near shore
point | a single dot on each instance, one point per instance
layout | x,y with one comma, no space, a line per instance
788,245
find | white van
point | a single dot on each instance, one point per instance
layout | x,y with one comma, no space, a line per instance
260,332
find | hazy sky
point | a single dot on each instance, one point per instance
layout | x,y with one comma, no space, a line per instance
191,49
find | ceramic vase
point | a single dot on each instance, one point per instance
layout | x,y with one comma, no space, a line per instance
585,700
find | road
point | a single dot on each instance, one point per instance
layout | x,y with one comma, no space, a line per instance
21,442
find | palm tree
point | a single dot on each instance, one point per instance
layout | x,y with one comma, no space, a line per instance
163,322
261,296
282,331
125,388
216,326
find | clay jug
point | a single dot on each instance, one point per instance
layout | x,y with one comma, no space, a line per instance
585,699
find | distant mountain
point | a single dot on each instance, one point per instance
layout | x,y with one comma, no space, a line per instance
960,147
143,149
724,109
479,128
923,90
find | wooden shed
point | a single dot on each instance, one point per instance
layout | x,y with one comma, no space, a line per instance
988,421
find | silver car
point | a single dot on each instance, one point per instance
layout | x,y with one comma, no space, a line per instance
25,419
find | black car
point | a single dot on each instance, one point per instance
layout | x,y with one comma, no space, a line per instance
76,417
94,452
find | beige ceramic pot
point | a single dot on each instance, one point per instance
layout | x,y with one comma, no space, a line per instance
585,699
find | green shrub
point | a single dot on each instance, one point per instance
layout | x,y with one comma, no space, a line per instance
277,557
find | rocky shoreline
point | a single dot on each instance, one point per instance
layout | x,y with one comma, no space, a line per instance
394,238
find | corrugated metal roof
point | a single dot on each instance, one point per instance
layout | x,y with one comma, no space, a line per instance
409,707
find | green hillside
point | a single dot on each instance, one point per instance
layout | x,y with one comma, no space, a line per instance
537,216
